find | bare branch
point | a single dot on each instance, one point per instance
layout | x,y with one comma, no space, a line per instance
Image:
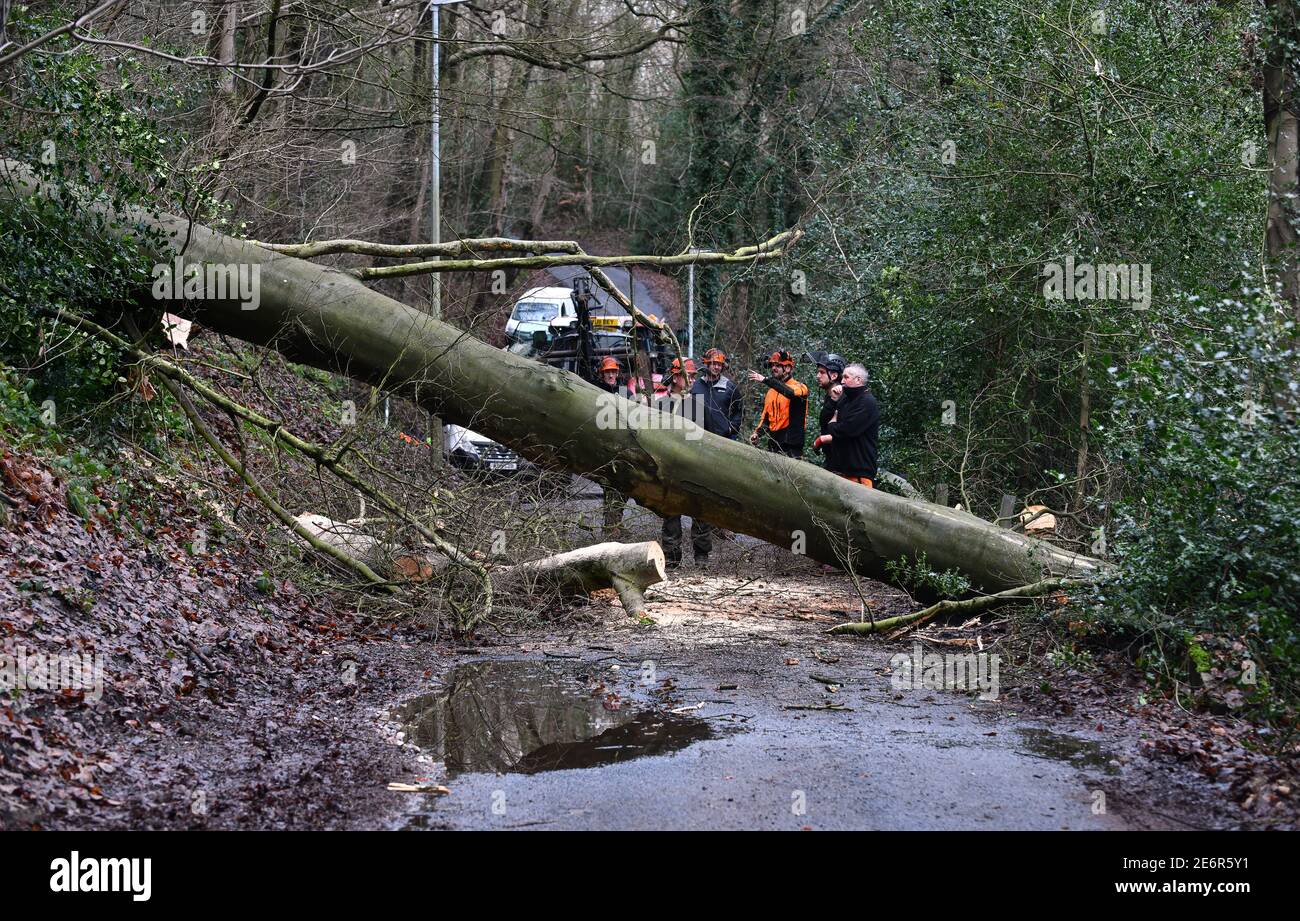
77,23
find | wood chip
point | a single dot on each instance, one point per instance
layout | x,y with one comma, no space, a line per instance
398,787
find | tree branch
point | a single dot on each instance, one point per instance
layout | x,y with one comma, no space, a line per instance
968,606
545,254
318,453
55,33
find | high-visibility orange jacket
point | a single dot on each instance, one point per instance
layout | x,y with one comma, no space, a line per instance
785,412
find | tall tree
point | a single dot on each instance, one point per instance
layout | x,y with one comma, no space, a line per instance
1281,108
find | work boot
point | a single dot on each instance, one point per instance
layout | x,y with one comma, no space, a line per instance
672,565
702,562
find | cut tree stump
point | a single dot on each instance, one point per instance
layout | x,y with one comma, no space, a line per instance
629,569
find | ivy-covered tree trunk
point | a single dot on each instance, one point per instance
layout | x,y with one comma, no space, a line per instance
708,86
1282,124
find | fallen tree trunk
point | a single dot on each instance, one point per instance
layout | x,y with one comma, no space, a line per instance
629,569
330,320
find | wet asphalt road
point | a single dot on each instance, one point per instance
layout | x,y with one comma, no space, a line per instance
912,759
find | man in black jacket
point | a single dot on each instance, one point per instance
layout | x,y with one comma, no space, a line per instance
712,402
717,398
829,369
718,407
853,428
681,399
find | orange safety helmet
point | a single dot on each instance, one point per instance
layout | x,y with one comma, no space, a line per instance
715,355
608,364
677,366
781,357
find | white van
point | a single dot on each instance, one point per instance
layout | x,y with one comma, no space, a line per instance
471,451
539,310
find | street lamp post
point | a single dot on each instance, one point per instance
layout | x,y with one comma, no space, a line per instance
435,191
690,305
435,155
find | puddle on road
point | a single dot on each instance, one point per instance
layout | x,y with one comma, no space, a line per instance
511,716
1083,753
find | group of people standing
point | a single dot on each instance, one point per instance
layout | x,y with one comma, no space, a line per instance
848,424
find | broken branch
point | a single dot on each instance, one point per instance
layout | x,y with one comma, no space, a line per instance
967,606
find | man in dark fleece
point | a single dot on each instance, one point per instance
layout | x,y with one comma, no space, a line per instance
607,377
829,369
717,398
680,400
853,428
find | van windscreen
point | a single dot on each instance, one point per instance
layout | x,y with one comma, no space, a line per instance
536,311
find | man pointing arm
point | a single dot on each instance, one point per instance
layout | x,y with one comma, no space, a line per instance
785,408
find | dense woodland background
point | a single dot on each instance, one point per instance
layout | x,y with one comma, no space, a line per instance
937,154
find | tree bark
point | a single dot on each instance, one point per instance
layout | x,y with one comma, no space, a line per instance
331,320
1085,423
226,52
